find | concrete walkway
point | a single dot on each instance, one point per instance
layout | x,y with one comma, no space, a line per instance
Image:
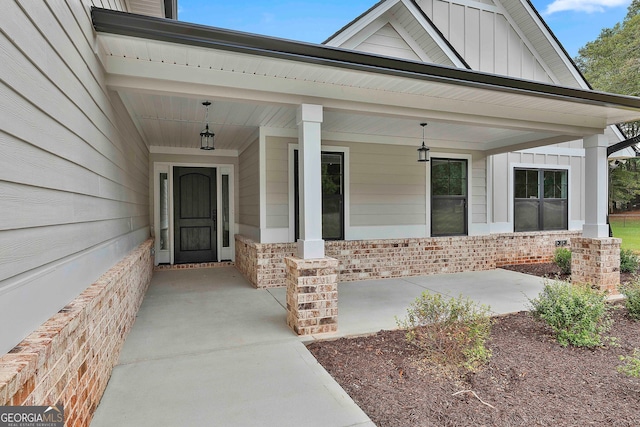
208,349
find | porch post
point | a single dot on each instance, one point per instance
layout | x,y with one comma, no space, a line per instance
310,244
596,185
595,257
312,279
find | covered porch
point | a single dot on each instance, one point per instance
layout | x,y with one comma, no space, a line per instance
284,112
216,351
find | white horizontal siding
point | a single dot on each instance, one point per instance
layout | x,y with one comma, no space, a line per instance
74,180
249,186
278,182
386,41
388,186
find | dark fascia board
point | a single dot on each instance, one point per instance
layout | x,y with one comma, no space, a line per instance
147,27
564,51
631,142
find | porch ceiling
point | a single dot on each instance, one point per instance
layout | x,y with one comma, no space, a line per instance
163,76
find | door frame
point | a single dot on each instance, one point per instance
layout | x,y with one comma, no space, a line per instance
168,256
453,156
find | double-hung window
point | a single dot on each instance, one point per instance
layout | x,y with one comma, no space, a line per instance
541,199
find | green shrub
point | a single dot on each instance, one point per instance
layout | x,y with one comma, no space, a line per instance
632,365
562,258
452,332
632,293
578,315
628,261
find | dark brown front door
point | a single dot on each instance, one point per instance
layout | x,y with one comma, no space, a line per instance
195,214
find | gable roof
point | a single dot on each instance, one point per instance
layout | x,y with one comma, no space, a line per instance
426,34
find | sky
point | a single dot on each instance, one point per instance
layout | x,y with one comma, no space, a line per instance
574,22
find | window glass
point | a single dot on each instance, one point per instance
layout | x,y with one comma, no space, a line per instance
540,200
164,211
448,197
225,211
332,167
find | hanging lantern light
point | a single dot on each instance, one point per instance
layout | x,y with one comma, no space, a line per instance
423,151
206,136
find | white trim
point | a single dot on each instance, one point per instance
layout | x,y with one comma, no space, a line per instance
457,156
262,181
560,151
501,227
347,190
410,41
364,35
477,5
274,235
479,229
435,35
527,43
552,41
388,232
162,167
228,252
536,166
360,24
155,149
162,256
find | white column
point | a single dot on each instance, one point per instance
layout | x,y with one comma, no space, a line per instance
310,244
596,187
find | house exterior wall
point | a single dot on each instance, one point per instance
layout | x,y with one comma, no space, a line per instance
249,191
74,180
69,358
277,165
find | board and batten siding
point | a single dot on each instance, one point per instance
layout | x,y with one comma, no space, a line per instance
74,180
249,189
485,38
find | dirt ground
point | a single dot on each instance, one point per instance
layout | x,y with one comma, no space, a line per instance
530,379
553,271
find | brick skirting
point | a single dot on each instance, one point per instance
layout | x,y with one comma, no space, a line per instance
264,266
69,359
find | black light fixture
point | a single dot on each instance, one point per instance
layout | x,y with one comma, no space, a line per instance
206,136
423,152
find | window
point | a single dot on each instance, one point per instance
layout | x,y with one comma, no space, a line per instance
332,195
449,184
540,201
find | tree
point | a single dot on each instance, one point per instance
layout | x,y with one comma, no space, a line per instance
611,63
624,183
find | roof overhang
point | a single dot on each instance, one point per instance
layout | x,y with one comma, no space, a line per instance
168,58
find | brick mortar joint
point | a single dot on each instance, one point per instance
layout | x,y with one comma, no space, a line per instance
76,307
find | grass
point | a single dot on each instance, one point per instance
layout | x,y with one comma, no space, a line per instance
627,229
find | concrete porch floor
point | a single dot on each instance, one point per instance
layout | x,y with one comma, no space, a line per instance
209,349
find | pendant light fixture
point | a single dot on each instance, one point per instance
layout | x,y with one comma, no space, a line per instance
423,151
206,136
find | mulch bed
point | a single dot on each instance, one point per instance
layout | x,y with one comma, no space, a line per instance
530,379
552,271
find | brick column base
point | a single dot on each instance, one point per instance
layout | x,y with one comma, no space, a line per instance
596,261
312,295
